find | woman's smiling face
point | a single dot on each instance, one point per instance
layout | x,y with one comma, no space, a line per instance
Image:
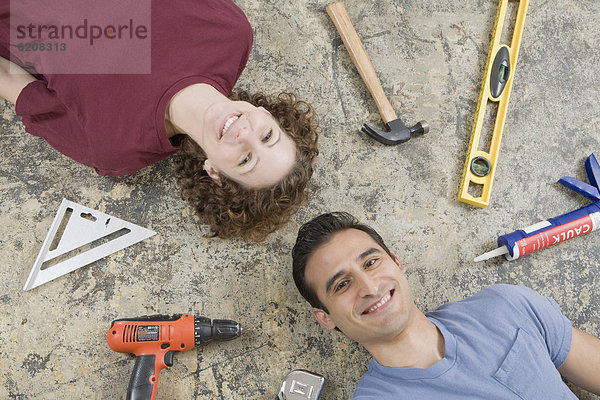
246,144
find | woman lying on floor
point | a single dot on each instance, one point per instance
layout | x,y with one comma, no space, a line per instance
245,159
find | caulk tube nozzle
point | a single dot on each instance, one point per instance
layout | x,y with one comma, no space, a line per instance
490,254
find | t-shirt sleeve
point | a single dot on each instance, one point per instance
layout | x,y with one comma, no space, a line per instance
45,115
543,315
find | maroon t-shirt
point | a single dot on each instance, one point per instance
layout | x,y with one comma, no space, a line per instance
115,123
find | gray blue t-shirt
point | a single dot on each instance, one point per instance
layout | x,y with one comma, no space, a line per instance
506,342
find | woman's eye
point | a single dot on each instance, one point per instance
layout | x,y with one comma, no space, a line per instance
268,136
370,263
245,160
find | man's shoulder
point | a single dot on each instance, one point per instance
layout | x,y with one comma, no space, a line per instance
506,289
502,295
511,304
518,298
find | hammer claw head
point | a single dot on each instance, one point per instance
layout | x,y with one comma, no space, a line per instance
398,132
389,138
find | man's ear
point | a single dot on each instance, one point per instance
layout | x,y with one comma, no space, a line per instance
402,267
212,171
323,319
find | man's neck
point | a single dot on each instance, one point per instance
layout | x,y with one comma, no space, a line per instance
420,345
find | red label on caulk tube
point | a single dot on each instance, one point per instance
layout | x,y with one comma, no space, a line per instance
552,236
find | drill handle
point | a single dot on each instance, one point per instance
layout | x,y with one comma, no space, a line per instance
143,384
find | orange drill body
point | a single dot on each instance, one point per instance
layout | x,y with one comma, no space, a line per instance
155,339
139,337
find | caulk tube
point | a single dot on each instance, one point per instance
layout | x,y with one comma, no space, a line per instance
552,231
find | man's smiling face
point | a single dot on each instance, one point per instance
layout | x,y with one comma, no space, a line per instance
364,290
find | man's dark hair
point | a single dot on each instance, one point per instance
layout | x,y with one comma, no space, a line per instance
313,235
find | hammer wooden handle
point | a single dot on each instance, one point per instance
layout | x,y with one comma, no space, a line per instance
339,16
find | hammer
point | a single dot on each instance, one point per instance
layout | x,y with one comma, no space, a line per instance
398,132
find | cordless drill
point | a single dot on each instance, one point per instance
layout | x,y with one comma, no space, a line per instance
154,339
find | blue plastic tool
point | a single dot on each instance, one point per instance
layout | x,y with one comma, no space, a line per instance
555,230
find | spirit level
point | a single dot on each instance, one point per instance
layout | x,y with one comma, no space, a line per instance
480,165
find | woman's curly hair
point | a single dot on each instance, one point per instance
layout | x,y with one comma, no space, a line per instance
233,210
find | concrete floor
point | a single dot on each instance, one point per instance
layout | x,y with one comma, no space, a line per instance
430,56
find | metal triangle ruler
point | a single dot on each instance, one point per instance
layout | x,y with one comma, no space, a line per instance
79,236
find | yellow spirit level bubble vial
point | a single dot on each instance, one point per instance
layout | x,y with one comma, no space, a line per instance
480,164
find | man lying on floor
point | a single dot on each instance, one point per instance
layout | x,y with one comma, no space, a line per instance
506,342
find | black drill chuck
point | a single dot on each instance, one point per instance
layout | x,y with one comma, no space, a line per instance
219,330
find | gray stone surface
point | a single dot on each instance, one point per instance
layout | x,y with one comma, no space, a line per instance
430,57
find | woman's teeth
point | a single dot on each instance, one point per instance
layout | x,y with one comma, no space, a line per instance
228,123
381,302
